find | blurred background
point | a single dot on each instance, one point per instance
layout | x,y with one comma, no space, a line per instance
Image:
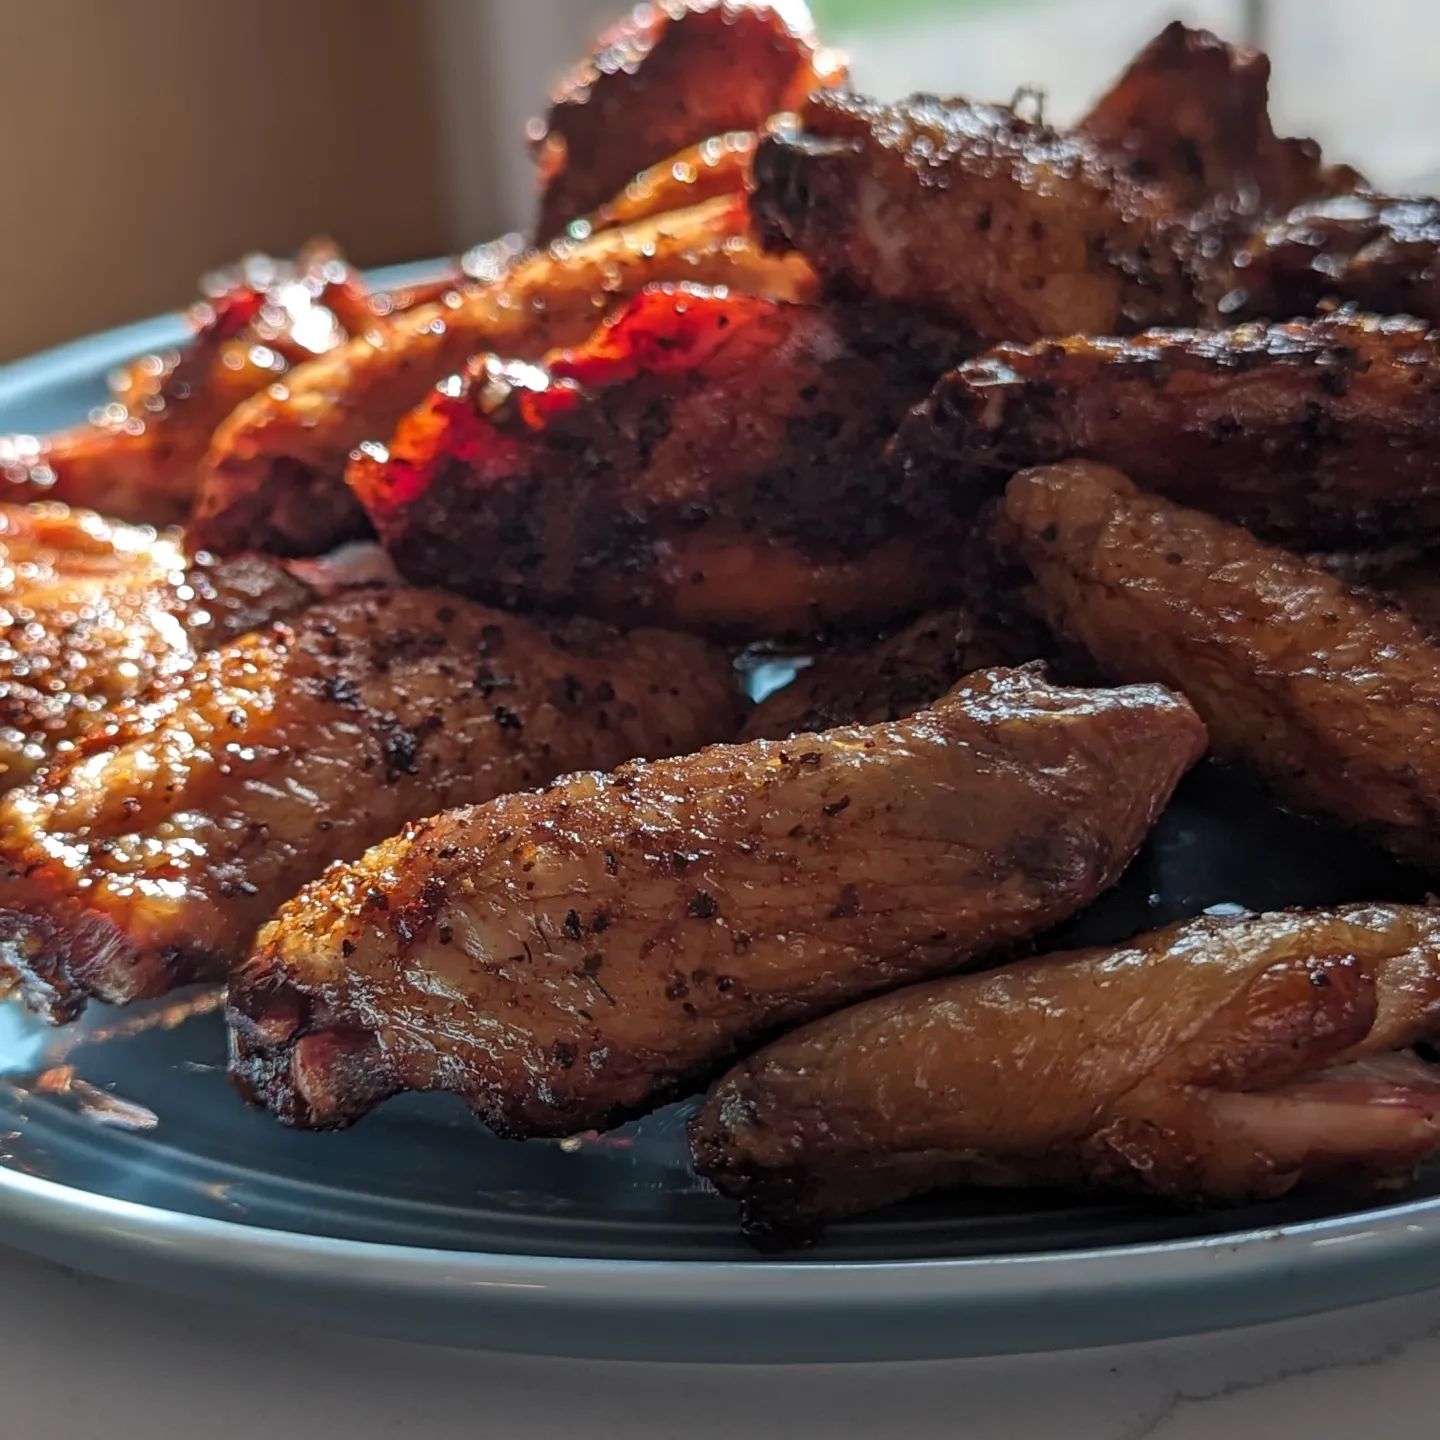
148,140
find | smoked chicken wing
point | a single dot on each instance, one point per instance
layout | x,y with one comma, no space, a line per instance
148,857
1332,696
566,958
1221,1060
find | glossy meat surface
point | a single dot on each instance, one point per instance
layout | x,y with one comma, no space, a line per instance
1378,252
719,165
137,458
567,958
1221,1060
707,460
667,76
1191,114
274,476
1333,697
892,677
973,214
93,611
149,857
1316,433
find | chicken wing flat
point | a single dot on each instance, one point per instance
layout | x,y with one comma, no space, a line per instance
893,676
567,958
1375,251
93,611
974,214
273,479
707,460
150,856
1221,1060
137,458
1191,114
667,76
1332,696
1315,433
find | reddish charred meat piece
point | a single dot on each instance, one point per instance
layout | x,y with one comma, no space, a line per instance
274,477
567,958
669,75
1221,1060
1333,697
1374,251
707,460
1315,433
149,856
973,214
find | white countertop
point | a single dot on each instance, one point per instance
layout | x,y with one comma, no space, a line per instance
82,1359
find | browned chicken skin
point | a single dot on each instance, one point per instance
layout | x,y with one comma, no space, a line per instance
93,611
707,460
973,214
892,677
719,165
274,476
1379,252
1223,1059
150,856
1316,433
667,76
567,958
1331,696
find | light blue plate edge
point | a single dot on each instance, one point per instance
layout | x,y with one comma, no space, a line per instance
761,1311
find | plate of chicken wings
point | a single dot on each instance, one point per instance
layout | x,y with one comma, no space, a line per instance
835,755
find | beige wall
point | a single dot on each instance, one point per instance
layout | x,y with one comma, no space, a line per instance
143,141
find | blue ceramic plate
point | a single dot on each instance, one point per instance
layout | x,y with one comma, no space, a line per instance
123,1151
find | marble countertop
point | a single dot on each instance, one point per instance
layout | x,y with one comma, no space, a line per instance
82,1358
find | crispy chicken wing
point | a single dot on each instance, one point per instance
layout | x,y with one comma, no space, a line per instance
150,856
92,611
895,675
667,76
1375,251
566,958
274,476
1332,696
1191,114
706,460
1223,1059
1316,433
975,214
137,458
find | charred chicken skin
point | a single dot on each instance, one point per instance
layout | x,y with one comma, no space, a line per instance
93,611
667,76
149,857
1378,252
1315,433
1332,696
973,214
1221,1060
707,460
273,478
567,958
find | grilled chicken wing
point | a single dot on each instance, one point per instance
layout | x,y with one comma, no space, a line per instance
566,958
1223,1059
1191,114
150,857
1375,251
1333,697
972,213
274,476
1316,433
670,75
137,458
893,676
93,611
707,460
